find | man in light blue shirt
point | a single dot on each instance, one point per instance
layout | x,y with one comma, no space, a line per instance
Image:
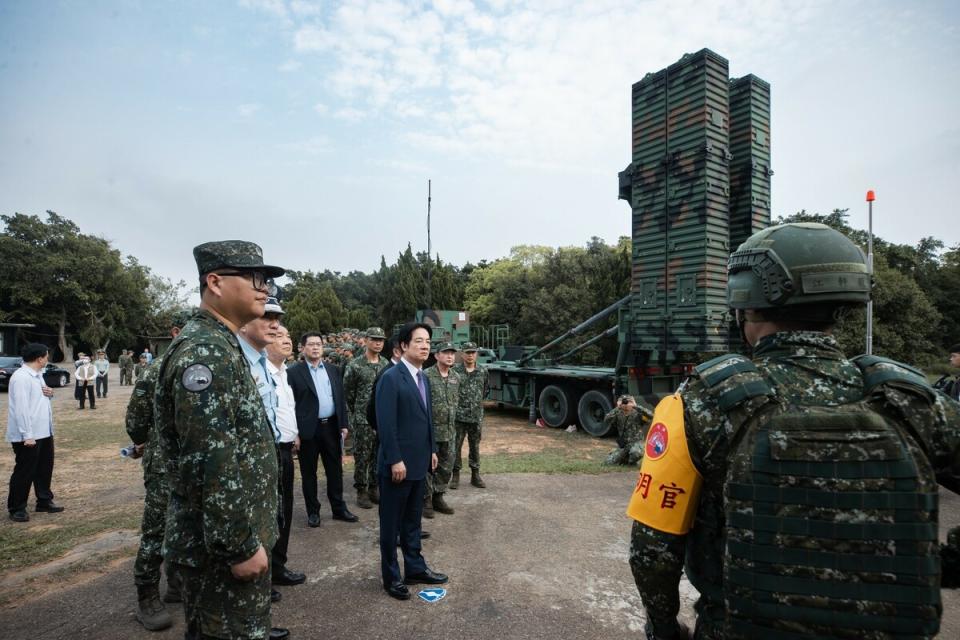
30,431
254,338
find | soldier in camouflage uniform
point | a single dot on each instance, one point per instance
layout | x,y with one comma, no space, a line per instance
631,424
220,452
800,559
357,386
473,388
146,439
445,397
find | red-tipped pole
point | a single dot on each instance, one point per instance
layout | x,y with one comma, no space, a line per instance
871,196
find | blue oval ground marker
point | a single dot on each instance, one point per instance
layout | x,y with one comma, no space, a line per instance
432,595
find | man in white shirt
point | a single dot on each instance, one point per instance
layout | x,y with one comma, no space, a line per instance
86,377
289,443
30,430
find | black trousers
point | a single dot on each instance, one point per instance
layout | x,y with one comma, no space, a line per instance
401,508
84,393
102,386
285,515
33,466
325,446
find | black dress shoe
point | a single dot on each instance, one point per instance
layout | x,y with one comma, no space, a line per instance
427,577
289,578
278,633
313,520
275,596
346,516
398,590
49,507
424,534
19,516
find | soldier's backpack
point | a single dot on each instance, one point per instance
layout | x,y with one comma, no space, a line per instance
831,511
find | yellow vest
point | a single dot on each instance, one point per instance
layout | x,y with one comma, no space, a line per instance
668,489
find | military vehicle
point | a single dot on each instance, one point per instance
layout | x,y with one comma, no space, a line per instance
698,185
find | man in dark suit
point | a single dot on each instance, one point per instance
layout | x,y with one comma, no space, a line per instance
407,452
322,423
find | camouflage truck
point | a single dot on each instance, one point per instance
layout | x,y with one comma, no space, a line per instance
698,185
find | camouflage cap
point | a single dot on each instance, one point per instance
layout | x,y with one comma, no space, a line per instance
349,347
180,318
327,351
236,254
376,333
467,347
272,306
446,346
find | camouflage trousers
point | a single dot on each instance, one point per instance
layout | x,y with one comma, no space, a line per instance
438,481
146,568
472,434
217,605
365,443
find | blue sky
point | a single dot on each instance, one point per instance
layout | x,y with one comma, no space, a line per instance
312,127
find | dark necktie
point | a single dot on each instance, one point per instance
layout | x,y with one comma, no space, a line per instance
423,389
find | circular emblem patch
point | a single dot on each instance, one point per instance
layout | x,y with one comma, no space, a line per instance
196,377
657,441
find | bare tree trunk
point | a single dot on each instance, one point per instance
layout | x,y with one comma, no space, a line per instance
66,349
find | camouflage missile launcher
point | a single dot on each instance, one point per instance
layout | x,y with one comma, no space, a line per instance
750,170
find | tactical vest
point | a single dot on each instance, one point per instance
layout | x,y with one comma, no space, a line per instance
831,517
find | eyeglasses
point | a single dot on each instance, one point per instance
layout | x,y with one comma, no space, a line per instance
258,279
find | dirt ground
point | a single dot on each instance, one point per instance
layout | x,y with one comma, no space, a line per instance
532,556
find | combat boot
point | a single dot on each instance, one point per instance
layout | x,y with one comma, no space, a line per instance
174,587
363,499
428,507
455,479
476,480
439,504
150,611
374,494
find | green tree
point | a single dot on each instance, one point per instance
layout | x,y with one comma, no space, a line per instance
75,284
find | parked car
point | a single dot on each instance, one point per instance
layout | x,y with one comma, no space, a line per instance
53,375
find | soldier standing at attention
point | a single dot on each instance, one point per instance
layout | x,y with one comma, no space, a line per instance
811,478
473,388
220,452
445,397
146,439
129,367
121,365
357,386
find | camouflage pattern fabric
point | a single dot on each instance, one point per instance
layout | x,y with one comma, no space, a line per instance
357,387
631,430
238,254
469,424
805,368
444,395
140,427
222,474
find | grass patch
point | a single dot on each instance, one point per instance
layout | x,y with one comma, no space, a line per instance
24,546
83,435
546,461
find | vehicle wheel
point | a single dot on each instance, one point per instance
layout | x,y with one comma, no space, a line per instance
64,379
556,406
591,409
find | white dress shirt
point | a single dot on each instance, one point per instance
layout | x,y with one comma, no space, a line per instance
286,405
29,413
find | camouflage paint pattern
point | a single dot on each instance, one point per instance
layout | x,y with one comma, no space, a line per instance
357,387
805,368
222,473
444,397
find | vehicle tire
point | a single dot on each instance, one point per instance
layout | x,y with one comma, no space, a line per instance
556,406
64,379
591,409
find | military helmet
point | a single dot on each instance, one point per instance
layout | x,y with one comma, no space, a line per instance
797,264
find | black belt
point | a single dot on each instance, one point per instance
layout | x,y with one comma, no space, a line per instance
285,445
326,420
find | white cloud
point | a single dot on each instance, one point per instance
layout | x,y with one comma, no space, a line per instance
248,110
349,114
289,66
321,109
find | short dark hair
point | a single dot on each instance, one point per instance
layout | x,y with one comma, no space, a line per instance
308,335
33,351
955,348
406,332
